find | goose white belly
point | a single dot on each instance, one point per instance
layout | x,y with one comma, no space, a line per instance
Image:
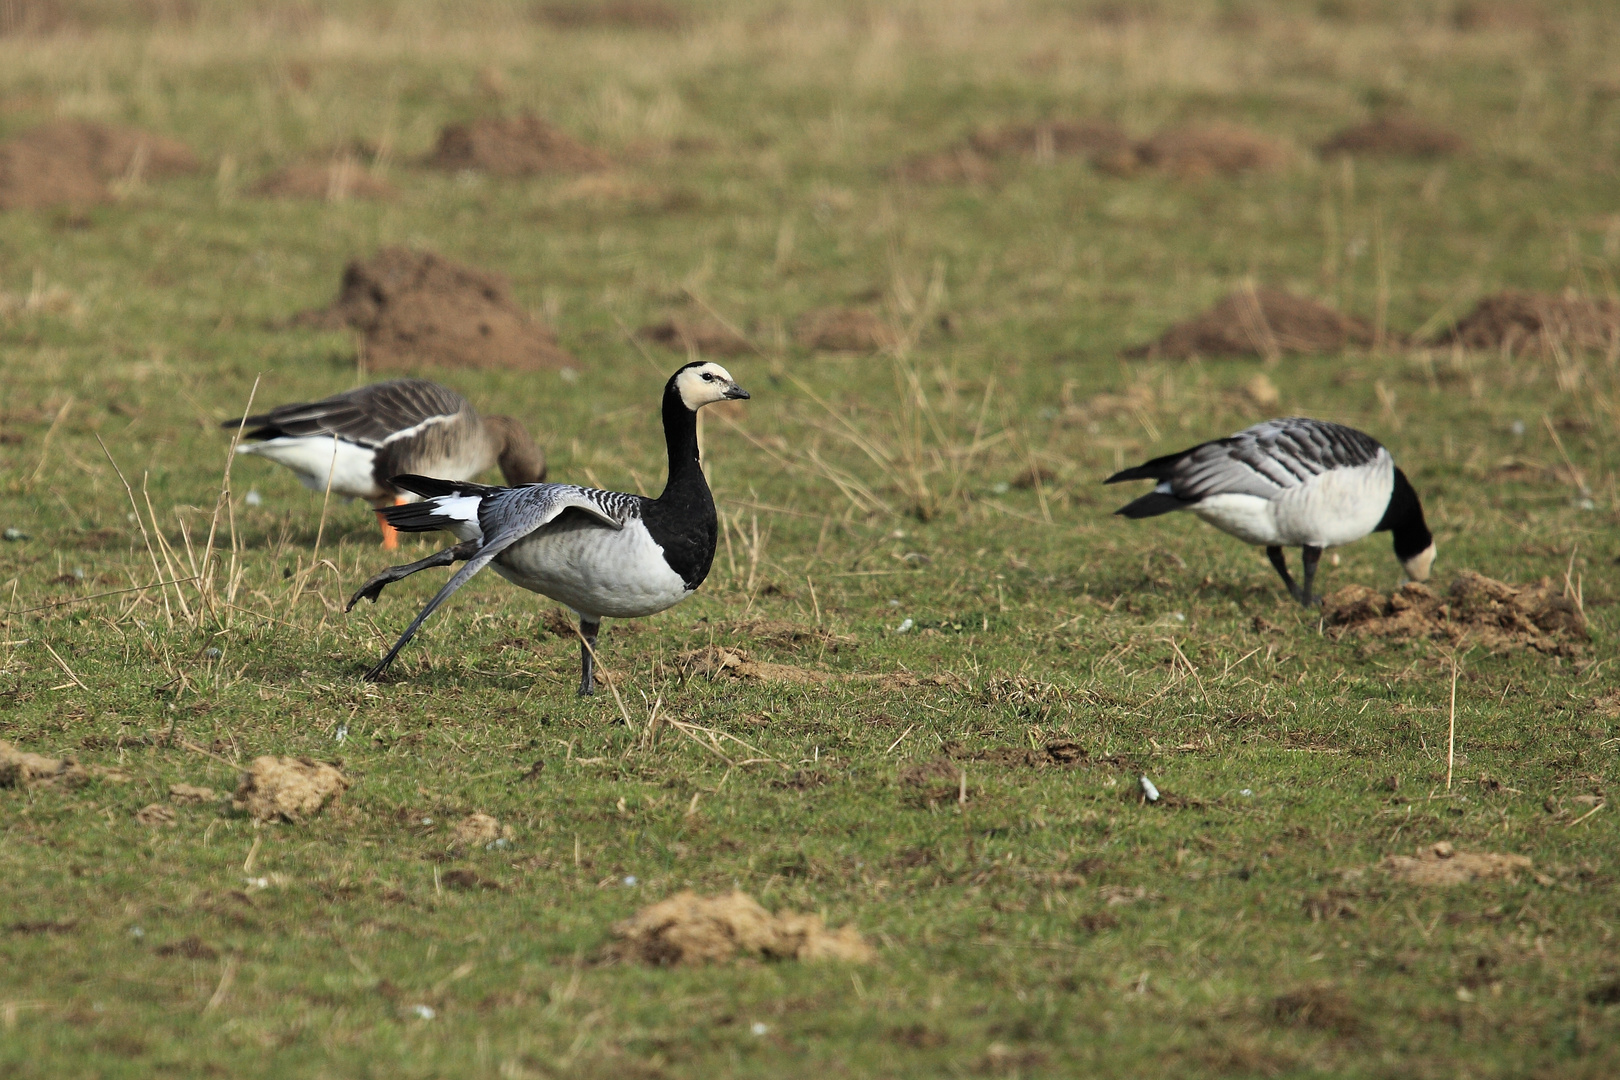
311,459
597,571
1328,510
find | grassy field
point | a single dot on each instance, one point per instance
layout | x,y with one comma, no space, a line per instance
1050,924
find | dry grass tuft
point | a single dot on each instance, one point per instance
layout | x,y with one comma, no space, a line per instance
689,929
191,795
718,662
287,789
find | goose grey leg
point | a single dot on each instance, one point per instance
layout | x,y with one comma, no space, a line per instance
587,645
1280,561
1311,556
373,588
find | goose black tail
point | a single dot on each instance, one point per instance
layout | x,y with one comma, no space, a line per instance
1159,468
1152,504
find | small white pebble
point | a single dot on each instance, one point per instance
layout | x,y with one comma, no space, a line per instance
254,498
1001,487
1245,791
904,626
1518,427
569,375
498,845
212,654
424,1011
136,932
427,821
894,603
78,572
759,1028
1178,616
630,880
1149,790
342,732
257,882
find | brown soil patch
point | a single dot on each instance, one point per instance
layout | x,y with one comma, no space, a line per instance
191,795
781,634
69,162
1325,1008
287,789
333,181
154,816
192,948
415,307
843,330
514,146
476,830
924,773
31,179
1477,609
689,929
1259,322
470,881
905,680
612,14
1516,321
1061,754
1097,139
19,768
959,166
1395,135
1213,150
717,662
704,337
1440,864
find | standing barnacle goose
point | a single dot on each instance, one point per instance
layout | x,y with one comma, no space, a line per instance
603,553
365,436
1291,482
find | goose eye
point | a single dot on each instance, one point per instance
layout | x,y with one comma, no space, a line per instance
708,377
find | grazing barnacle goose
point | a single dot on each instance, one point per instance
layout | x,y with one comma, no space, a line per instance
1291,482
365,436
603,553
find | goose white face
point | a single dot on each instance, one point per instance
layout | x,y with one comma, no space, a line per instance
1418,566
705,384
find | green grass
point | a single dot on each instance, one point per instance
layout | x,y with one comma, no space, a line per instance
135,951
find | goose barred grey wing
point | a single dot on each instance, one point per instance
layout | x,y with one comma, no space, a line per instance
1269,458
368,415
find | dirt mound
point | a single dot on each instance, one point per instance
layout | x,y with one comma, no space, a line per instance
333,181
1258,322
19,768
1515,321
155,816
1213,150
959,166
475,830
689,929
1395,135
1440,864
287,789
838,329
513,146
1096,139
716,662
191,795
111,153
612,14
31,179
417,308
1476,609
704,336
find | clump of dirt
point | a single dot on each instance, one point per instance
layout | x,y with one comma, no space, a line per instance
1063,754
470,881
905,680
1478,609
1516,321
522,145
19,768
1096,139
69,162
476,830
1212,150
333,181
31,179
612,14
1394,135
838,329
1261,322
957,166
717,662
781,634
1441,864
689,929
703,336
1323,1007
191,795
155,816
287,789
414,307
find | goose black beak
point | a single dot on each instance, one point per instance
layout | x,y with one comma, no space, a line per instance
736,393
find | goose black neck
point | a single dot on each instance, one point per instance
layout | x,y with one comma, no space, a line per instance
680,438
1404,520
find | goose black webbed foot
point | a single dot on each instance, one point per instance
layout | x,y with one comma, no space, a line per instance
587,656
373,588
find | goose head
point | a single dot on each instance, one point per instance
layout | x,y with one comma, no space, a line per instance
521,461
703,383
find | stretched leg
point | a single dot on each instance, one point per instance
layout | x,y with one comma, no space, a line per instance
373,588
1311,556
390,534
1280,561
587,647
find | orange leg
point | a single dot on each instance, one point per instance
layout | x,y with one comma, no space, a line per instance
390,534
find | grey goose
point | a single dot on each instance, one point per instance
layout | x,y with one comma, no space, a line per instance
364,436
1293,482
605,554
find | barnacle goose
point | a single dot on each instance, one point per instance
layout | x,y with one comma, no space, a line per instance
1289,482
603,553
365,436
